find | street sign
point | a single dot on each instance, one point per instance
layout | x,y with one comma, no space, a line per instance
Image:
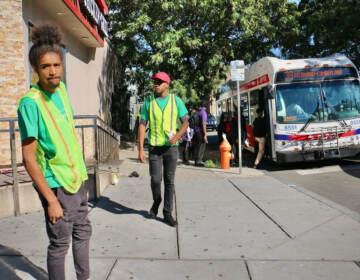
237,70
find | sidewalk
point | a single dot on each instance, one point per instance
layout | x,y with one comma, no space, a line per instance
230,227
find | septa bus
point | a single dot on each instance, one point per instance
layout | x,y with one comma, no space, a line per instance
312,107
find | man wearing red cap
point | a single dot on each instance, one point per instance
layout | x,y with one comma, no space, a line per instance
162,110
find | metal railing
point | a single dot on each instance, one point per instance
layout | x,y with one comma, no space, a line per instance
104,147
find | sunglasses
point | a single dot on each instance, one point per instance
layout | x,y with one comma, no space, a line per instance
158,82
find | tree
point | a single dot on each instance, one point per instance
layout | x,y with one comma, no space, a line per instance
194,41
327,27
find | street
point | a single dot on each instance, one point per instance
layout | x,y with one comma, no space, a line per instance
337,181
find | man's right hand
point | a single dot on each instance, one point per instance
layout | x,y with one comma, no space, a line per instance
55,211
142,157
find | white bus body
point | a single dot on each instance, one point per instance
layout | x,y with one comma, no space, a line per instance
312,107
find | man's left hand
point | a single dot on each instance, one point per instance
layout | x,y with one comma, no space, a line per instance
173,140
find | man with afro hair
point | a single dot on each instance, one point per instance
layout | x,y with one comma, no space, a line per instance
52,156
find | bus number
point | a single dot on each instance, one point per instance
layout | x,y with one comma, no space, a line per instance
290,127
289,75
354,122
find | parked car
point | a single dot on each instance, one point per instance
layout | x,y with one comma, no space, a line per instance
211,122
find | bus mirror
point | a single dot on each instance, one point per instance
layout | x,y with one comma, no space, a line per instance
270,92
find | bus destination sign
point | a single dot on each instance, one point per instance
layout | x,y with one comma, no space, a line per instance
315,74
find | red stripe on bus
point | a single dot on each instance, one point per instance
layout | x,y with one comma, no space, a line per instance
256,82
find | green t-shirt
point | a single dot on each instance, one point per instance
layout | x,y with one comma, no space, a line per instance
182,111
31,124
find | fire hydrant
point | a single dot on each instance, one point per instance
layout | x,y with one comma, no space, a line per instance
226,155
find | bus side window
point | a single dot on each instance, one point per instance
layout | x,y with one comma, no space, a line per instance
245,107
254,104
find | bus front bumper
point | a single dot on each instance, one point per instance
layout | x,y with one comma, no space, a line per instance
316,155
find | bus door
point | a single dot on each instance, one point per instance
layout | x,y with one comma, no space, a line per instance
268,113
257,100
244,114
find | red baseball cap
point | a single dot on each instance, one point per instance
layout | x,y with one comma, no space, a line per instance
161,76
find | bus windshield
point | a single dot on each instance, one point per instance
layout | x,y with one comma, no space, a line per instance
319,102
341,99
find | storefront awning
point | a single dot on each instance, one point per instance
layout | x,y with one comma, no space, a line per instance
84,19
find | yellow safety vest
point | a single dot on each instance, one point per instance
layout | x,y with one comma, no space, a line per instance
162,122
68,164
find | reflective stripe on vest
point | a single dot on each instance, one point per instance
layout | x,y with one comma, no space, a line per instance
67,165
162,122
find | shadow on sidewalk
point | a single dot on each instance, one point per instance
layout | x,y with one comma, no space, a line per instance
13,265
116,208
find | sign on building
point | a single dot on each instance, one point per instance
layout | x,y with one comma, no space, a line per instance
96,15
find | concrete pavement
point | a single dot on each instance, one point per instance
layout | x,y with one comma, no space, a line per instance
230,227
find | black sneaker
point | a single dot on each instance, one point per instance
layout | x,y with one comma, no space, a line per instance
200,164
153,213
168,219
154,210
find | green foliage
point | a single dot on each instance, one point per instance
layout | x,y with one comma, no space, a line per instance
194,40
210,164
327,27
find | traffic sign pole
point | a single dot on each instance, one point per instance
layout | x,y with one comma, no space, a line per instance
239,127
238,74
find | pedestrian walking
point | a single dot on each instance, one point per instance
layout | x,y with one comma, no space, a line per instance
200,138
228,129
235,138
194,122
221,127
243,126
162,110
53,158
185,143
259,129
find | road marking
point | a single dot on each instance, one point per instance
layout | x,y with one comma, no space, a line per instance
24,275
327,169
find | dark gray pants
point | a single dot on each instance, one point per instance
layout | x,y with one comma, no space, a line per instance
200,146
74,224
163,157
